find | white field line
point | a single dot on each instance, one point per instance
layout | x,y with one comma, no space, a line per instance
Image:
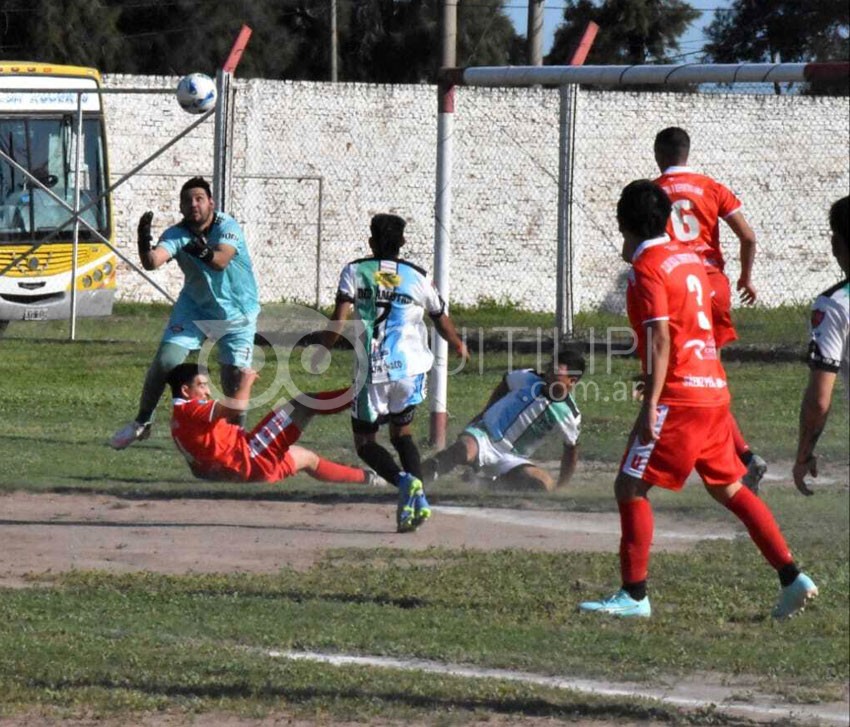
600,524
705,697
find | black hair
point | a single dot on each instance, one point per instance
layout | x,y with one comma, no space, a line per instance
673,144
181,374
196,183
643,209
572,359
839,219
387,235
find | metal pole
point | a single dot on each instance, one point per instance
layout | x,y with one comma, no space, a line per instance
564,275
220,152
319,246
75,240
449,35
334,43
535,33
442,247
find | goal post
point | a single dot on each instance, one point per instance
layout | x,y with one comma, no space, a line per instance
560,77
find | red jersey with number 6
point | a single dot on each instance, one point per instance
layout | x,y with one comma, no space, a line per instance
668,282
699,203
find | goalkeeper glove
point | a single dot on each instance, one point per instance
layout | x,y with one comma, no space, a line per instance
145,238
198,248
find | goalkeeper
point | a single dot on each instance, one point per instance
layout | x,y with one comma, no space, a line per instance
218,300
523,409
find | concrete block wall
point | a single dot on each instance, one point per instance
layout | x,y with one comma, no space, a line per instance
312,162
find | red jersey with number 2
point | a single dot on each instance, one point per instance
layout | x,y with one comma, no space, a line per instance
668,282
699,203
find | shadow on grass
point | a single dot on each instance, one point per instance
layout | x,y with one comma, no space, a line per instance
531,707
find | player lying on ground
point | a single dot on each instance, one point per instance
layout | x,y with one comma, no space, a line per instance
523,409
684,421
216,449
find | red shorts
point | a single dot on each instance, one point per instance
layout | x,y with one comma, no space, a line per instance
689,438
269,442
721,307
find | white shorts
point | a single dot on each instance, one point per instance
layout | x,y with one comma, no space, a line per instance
377,403
492,461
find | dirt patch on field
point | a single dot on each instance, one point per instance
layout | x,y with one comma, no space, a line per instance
51,533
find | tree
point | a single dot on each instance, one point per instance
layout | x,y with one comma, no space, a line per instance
631,32
792,30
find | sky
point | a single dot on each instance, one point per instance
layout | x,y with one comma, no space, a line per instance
691,42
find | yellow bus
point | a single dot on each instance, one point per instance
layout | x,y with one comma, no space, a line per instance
38,133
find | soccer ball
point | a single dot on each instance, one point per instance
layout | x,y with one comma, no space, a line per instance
196,93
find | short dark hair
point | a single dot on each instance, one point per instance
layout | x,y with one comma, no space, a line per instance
673,144
181,374
643,209
572,359
387,235
196,183
839,219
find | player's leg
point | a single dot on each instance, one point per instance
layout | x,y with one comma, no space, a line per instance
168,356
665,462
403,396
464,451
235,353
718,466
324,469
725,333
527,477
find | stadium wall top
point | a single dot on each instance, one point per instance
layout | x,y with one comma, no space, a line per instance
644,74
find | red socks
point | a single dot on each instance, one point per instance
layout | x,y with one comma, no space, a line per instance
762,527
328,471
636,525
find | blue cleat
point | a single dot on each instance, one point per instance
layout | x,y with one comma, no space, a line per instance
422,510
620,604
793,598
409,491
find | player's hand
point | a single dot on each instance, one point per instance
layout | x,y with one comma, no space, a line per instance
646,424
199,248
248,375
801,469
746,291
463,352
144,237
320,359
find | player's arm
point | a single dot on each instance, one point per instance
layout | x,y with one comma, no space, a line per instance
814,411
150,257
747,239
236,405
658,360
569,459
216,256
343,309
446,328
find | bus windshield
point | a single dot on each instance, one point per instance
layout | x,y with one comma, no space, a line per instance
46,147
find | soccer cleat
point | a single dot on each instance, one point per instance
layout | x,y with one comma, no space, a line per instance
421,510
132,432
793,597
620,604
755,471
409,490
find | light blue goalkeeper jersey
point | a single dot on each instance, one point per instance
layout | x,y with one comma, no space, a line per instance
391,297
520,421
210,294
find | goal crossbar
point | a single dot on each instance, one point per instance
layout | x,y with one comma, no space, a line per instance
675,74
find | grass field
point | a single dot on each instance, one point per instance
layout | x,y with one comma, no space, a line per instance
101,643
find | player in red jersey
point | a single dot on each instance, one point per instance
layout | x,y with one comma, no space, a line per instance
699,203
683,423
219,450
